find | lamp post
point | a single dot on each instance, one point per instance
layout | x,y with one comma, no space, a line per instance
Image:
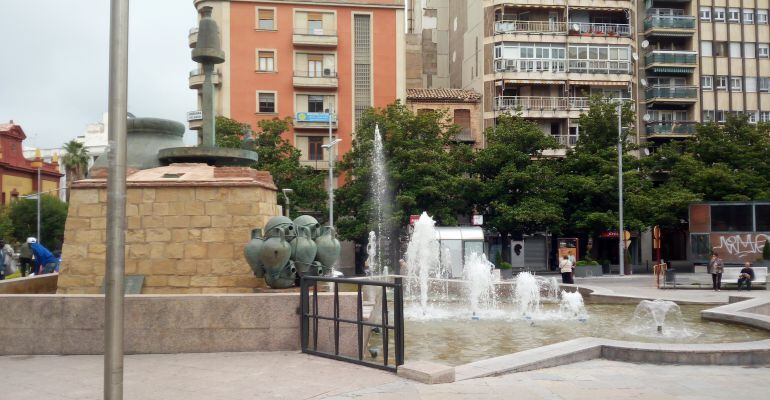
286,199
621,231
38,164
330,146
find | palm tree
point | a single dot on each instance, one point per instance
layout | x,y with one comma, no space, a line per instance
75,160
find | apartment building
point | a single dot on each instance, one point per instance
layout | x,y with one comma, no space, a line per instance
300,59
734,59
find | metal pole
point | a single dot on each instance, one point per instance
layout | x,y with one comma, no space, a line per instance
621,232
39,193
116,201
331,173
207,104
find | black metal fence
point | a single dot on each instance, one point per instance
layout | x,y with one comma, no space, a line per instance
309,318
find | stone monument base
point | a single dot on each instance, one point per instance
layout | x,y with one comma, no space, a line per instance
186,227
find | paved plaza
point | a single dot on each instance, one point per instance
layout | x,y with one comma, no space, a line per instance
291,375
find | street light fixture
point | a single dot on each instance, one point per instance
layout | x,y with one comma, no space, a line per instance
286,192
330,146
621,231
38,163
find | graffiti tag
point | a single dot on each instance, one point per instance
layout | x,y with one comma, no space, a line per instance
741,245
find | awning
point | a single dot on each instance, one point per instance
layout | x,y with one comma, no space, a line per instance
598,8
524,5
500,82
599,83
673,70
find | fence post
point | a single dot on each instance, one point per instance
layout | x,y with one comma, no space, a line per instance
398,319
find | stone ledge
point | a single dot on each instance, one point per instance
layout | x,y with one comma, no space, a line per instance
427,372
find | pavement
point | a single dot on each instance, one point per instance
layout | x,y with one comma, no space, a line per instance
292,375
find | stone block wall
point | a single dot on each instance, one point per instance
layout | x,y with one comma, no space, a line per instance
182,238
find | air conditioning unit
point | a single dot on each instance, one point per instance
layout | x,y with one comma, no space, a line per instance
327,72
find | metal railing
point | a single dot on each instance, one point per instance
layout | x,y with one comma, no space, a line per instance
465,135
325,73
198,71
665,11
670,127
315,32
315,164
671,57
599,29
671,92
515,26
600,66
541,103
669,22
530,65
566,140
309,317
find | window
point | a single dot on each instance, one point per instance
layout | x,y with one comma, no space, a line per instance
764,116
732,218
315,65
266,61
752,116
707,82
720,49
748,16
266,102
764,50
266,18
764,84
736,84
705,14
719,14
315,103
762,217
735,49
722,82
706,48
734,15
721,116
314,148
749,50
315,24
762,16
462,118
708,115
750,83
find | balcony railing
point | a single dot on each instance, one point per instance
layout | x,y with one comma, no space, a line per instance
315,164
672,92
542,103
530,65
669,22
595,29
325,73
600,66
670,127
315,32
465,135
665,11
566,140
671,57
547,27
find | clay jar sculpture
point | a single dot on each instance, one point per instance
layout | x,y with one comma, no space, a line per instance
304,251
328,248
251,252
274,256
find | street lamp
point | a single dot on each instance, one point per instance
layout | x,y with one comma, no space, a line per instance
621,231
286,199
38,163
330,146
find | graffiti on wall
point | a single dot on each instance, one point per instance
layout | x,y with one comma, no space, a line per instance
739,246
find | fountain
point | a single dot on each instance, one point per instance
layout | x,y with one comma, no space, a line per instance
380,197
371,254
480,286
422,257
658,318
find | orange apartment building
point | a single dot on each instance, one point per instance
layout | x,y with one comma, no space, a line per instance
300,58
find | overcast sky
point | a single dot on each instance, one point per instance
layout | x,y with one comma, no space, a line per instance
54,64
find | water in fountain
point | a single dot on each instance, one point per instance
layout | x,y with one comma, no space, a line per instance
530,292
422,257
571,306
480,283
371,254
380,197
526,295
659,318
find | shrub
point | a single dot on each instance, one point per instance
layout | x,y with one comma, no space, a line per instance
505,265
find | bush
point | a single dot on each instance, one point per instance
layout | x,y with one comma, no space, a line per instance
505,265
23,215
766,250
585,263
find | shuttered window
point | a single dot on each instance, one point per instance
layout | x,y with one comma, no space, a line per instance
266,102
265,18
266,61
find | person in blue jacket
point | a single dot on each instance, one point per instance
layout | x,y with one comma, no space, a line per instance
45,261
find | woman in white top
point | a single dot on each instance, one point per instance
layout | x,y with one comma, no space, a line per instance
565,266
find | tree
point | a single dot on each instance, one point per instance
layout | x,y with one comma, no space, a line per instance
516,188
23,216
280,158
427,171
75,161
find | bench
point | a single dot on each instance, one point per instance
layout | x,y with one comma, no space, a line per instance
730,277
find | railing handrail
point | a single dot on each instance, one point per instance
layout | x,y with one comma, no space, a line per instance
199,71
599,24
672,87
674,11
531,26
312,32
560,65
305,73
674,52
688,17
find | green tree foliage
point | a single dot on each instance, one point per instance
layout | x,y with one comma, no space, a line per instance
75,161
23,215
517,187
427,170
280,158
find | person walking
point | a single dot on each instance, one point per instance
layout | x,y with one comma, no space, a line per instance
25,257
6,260
715,268
746,276
565,266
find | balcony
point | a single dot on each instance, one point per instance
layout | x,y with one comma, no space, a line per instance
669,25
671,62
599,67
326,79
540,103
566,140
530,65
531,27
315,164
601,30
313,120
314,37
192,37
195,81
664,129
195,119
671,94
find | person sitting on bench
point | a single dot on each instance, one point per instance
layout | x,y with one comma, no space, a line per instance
746,276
